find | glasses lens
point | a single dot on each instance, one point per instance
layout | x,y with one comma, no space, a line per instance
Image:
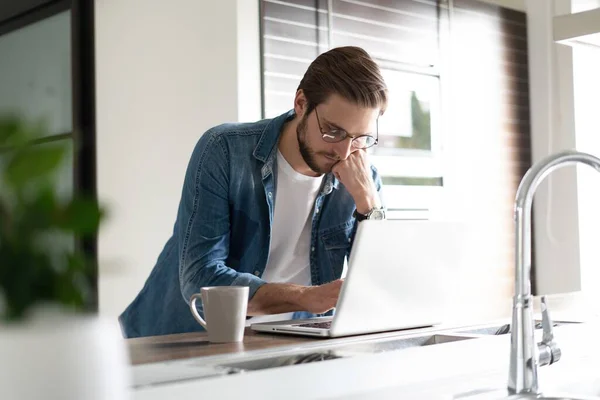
363,142
334,136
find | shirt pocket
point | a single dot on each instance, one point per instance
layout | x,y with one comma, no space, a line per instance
337,244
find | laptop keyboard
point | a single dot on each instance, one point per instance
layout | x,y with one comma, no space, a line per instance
322,325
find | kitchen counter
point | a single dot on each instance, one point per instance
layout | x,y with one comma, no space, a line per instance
453,369
190,345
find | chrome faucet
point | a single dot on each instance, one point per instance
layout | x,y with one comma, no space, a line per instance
525,355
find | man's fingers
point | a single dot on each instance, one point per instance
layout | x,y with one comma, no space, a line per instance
326,296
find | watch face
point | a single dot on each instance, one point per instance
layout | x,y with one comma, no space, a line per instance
377,214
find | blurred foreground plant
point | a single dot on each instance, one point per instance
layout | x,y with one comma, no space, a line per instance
39,262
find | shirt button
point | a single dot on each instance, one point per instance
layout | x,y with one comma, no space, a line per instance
349,240
270,194
257,273
312,249
317,211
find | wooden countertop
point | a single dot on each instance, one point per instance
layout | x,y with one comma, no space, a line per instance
187,345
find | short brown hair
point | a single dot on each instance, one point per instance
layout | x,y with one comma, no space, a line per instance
349,72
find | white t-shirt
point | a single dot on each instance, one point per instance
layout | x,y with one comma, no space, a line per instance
289,254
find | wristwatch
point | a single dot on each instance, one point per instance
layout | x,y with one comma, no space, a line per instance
374,213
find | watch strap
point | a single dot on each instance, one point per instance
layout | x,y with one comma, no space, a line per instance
359,216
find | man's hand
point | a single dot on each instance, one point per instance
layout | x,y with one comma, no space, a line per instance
275,298
322,298
354,173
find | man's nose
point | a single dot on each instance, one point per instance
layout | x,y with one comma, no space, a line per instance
344,148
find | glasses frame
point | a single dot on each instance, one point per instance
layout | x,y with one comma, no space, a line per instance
347,135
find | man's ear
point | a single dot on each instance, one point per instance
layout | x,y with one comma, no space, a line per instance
300,103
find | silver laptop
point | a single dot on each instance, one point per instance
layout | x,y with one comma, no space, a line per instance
399,277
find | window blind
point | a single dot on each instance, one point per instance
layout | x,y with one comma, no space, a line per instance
398,34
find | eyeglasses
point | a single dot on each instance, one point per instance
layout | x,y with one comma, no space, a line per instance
337,135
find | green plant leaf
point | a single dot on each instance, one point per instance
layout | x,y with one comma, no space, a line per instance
9,128
38,264
38,212
70,286
31,163
5,218
81,216
15,133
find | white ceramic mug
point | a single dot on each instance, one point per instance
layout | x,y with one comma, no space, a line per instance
224,311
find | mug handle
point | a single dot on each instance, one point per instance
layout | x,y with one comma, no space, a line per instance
197,316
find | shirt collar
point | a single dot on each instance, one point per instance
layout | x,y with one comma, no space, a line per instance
266,149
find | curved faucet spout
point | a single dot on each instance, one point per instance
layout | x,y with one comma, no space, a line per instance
524,351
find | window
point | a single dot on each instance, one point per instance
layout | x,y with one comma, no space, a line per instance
406,125
35,83
409,132
35,80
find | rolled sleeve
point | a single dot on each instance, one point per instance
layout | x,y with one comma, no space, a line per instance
246,279
203,223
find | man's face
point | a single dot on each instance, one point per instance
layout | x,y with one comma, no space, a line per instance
335,114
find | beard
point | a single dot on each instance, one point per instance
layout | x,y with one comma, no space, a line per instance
309,155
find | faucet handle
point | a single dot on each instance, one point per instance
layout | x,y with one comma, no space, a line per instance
548,333
549,352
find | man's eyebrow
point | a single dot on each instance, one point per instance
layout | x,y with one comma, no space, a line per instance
334,125
339,127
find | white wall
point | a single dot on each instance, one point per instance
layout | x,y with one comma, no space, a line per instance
585,303
587,92
166,72
566,203
553,130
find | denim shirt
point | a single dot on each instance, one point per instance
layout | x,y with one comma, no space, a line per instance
222,231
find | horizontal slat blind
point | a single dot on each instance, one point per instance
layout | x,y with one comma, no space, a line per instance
398,31
399,34
294,33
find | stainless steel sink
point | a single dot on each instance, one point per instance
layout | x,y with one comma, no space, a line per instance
381,345
207,367
281,361
349,347
333,352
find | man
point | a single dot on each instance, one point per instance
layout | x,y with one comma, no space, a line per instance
273,205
